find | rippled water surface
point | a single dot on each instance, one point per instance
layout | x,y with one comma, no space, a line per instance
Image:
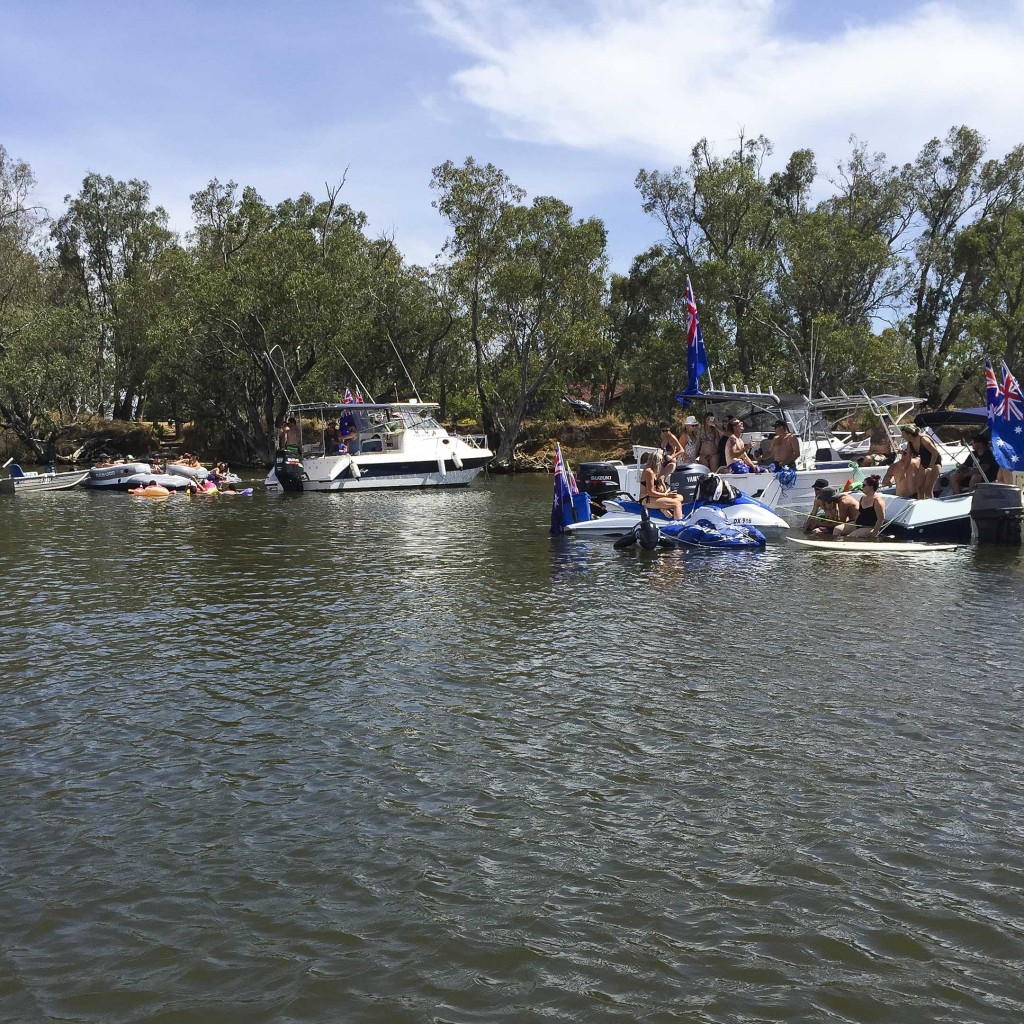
403,757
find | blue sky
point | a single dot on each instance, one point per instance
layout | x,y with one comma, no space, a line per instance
569,98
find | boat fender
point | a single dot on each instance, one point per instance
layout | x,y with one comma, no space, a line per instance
456,458
353,469
440,464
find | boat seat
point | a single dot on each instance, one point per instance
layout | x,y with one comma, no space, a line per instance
374,444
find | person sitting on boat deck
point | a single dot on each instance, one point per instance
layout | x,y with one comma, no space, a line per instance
331,437
783,447
671,449
347,433
836,508
689,440
880,449
736,457
980,467
929,459
290,437
871,514
654,492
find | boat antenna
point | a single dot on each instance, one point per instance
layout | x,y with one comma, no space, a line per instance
282,368
362,387
408,375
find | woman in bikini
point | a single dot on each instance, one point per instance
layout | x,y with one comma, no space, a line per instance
871,516
707,443
923,449
654,493
671,449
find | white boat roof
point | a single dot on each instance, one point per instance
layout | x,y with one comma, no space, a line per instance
300,407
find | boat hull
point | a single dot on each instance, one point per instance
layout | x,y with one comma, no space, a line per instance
936,520
382,474
30,484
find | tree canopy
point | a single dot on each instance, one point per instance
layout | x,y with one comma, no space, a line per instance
870,274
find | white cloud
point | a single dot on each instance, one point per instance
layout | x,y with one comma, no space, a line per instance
648,78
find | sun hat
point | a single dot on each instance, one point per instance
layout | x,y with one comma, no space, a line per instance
828,494
690,421
820,482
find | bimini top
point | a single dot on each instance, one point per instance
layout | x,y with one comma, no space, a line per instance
301,407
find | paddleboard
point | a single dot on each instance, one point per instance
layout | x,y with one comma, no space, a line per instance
889,547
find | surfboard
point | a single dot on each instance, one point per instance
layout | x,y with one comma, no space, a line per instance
888,547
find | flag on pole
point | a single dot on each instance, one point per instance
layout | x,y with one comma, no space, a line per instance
1006,418
696,354
348,399
562,506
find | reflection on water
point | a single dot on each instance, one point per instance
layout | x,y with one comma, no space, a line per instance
404,757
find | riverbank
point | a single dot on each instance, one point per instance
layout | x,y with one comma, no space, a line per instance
582,440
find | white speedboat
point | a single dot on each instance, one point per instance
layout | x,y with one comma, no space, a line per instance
394,445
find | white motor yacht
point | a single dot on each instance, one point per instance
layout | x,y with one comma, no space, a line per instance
390,445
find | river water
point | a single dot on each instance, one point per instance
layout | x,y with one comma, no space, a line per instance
404,758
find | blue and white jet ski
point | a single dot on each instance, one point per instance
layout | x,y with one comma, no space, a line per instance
705,528
707,491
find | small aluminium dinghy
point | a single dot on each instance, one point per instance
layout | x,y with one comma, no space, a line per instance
888,547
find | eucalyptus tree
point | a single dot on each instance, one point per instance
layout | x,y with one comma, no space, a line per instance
530,283
110,243
954,187
276,300
473,199
42,355
724,215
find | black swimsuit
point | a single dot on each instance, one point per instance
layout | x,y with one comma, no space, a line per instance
867,516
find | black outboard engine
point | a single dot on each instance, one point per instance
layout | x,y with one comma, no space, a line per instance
996,511
598,479
289,471
686,480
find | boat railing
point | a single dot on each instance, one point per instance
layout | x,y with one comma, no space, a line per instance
473,440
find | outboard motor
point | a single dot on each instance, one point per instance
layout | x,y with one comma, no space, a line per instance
598,479
686,480
645,532
996,511
289,471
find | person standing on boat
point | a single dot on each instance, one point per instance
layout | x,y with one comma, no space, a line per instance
654,493
347,433
707,443
870,517
736,457
291,436
922,448
689,440
784,447
331,438
902,474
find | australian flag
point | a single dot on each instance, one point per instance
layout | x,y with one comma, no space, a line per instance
562,504
696,354
1006,418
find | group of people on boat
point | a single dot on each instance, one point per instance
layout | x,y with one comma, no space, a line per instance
340,437
725,451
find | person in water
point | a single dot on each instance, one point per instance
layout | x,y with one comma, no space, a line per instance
736,455
870,516
929,460
654,492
